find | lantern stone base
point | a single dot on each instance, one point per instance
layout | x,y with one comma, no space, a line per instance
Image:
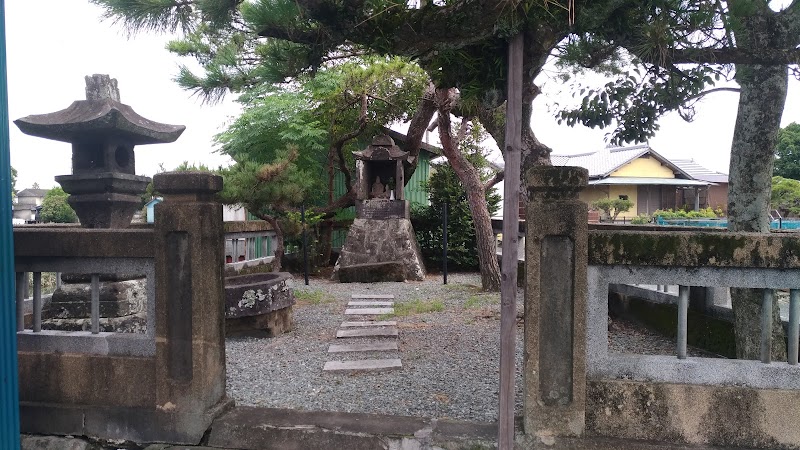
372,241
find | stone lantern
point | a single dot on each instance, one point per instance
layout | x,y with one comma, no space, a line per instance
104,188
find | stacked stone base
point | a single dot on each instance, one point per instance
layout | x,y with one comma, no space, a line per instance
374,245
123,306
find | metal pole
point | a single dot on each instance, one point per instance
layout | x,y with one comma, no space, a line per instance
305,242
95,303
444,243
9,389
683,313
794,325
508,288
766,326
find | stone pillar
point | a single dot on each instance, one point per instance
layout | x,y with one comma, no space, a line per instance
556,259
190,297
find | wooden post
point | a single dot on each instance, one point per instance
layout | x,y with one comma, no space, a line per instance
508,288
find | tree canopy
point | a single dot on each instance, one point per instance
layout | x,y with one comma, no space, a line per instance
55,207
785,196
787,152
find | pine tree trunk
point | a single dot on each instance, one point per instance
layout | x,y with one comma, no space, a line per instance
476,196
761,102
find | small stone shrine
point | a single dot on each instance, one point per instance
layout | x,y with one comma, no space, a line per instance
104,191
380,245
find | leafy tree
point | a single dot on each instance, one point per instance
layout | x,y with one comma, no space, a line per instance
785,196
745,41
612,207
787,153
268,191
445,187
55,207
460,46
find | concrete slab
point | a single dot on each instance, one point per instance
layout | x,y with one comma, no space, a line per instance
367,332
369,347
372,296
370,303
373,365
369,323
368,311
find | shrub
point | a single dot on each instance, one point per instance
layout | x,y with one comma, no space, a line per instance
443,186
705,213
612,207
785,196
55,207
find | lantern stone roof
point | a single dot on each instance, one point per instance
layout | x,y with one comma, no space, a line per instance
382,148
98,117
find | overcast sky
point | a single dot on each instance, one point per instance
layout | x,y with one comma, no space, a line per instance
52,44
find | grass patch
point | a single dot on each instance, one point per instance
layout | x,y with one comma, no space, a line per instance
415,306
313,297
479,301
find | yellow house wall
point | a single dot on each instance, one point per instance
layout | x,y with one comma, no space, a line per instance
644,167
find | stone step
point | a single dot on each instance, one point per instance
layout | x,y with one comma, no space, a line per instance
371,303
384,346
369,323
367,332
372,296
373,365
368,311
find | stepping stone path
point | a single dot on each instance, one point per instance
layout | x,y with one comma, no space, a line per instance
384,332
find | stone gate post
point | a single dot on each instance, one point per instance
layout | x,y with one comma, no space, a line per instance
190,333
556,259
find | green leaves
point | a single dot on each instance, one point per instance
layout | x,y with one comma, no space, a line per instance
634,102
612,207
161,16
785,196
55,207
787,152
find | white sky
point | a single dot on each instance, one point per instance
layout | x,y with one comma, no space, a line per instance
52,44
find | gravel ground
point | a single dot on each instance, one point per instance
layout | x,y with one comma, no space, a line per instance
450,357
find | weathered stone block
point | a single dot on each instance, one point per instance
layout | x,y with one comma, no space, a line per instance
269,324
117,299
261,293
381,241
372,272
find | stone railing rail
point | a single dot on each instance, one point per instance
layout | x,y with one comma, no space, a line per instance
165,385
694,259
81,251
576,386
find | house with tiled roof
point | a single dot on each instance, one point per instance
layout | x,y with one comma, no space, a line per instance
716,196
27,204
640,174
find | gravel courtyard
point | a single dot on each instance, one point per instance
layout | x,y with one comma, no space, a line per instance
449,346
